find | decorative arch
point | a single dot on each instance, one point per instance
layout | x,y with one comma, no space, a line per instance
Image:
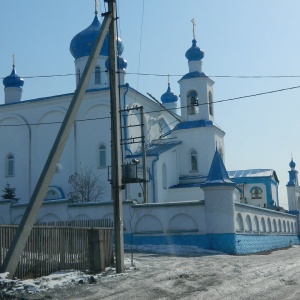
248,223
256,224
192,102
109,216
284,226
54,193
17,220
182,223
10,165
81,217
97,75
239,222
102,163
269,225
263,224
164,176
148,224
274,225
210,101
256,192
78,75
95,111
193,160
279,226
49,218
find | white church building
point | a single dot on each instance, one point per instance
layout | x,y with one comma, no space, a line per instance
187,196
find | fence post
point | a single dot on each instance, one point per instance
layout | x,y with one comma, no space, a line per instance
94,250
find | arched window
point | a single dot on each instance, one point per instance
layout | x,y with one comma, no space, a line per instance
192,102
256,193
164,177
78,76
210,99
97,75
10,165
102,156
194,161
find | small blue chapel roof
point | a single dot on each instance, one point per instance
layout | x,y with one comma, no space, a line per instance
168,96
253,173
218,174
13,80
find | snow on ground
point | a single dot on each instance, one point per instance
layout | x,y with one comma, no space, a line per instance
187,273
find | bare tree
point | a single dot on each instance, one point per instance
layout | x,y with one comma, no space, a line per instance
86,186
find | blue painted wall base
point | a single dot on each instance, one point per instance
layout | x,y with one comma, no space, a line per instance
229,243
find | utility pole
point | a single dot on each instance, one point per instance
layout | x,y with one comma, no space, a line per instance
20,239
115,141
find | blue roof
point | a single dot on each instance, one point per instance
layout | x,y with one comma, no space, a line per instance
194,53
195,124
217,174
157,149
292,164
253,173
13,80
194,74
168,96
83,42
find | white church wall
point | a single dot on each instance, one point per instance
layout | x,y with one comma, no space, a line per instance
293,194
258,220
15,140
209,137
169,218
185,194
219,208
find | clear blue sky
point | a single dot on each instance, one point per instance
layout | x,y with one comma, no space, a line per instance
257,37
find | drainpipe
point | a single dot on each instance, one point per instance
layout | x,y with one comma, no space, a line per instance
153,178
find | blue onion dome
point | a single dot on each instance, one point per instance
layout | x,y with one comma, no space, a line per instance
168,96
122,63
13,80
194,53
292,164
83,42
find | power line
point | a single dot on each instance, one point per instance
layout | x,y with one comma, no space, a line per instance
166,75
163,110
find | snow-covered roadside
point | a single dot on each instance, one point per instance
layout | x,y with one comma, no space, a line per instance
59,279
73,277
201,275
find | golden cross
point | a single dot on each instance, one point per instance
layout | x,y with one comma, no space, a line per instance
14,58
194,24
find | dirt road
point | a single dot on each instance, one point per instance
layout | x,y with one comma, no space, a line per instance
269,276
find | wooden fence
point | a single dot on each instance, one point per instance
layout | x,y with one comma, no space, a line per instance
51,249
